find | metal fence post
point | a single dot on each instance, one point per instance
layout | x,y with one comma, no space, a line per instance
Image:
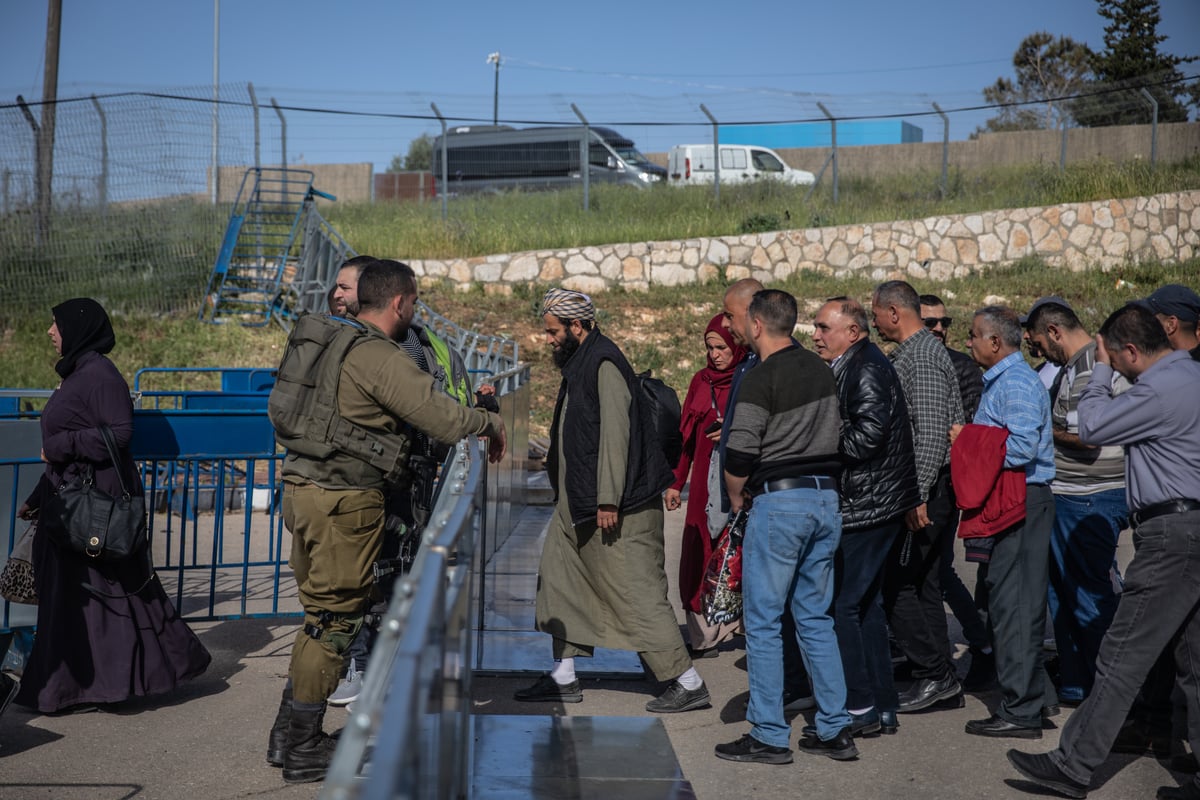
102,182
1062,152
38,225
1153,126
282,134
585,161
834,155
716,155
945,149
445,185
254,103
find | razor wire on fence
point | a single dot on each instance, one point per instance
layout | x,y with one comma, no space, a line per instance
141,182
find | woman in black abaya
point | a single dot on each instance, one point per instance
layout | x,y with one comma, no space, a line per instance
119,637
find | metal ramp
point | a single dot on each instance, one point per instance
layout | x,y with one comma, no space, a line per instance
272,228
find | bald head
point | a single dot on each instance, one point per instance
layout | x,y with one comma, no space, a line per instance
737,305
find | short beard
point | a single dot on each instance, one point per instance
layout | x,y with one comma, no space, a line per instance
562,353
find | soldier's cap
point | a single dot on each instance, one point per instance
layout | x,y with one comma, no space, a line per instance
1049,300
1173,300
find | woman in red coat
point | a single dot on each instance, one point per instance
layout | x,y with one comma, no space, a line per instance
703,410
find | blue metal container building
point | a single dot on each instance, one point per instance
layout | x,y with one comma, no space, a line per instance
817,134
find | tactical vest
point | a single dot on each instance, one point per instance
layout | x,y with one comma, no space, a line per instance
303,405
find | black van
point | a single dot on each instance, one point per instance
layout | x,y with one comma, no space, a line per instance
497,158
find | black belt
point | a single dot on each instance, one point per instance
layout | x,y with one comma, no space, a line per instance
1142,515
800,482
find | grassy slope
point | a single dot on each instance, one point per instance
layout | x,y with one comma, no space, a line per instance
659,330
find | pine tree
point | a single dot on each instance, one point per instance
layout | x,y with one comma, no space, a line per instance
1131,61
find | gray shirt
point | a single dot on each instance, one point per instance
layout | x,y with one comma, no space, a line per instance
1158,422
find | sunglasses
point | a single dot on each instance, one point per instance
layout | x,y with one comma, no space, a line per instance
933,322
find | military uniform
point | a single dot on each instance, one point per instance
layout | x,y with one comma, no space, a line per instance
334,507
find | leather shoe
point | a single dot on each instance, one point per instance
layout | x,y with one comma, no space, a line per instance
865,724
888,723
1038,768
545,689
1001,728
676,699
839,748
1141,739
1189,791
927,692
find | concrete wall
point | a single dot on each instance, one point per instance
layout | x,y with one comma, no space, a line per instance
1074,236
1176,141
349,183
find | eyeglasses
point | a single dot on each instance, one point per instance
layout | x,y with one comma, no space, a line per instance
933,322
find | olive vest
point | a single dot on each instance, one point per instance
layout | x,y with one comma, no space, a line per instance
323,446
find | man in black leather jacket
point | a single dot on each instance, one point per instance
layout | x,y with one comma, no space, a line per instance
878,487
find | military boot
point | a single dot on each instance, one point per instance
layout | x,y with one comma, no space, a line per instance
309,749
277,744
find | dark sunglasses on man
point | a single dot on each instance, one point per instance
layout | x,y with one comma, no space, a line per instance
933,322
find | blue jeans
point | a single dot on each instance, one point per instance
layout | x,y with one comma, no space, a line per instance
858,617
1159,604
787,560
1083,546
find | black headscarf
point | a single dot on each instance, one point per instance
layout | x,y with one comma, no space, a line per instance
84,328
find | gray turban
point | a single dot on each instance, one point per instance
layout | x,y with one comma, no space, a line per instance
568,305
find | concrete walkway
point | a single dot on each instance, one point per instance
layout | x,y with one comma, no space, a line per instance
207,741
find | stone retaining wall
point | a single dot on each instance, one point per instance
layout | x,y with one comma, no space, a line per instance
1074,236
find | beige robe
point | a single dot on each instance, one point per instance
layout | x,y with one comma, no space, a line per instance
609,589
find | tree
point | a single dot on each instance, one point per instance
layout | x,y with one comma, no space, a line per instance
1130,62
420,155
1046,69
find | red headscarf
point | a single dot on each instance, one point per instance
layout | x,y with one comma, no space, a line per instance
710,383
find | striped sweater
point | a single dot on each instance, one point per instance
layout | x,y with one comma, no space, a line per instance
786,421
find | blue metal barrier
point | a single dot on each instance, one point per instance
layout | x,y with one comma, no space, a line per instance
211,480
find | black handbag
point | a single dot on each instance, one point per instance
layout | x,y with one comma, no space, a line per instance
83,519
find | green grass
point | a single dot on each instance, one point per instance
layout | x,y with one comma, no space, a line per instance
516,222
154,259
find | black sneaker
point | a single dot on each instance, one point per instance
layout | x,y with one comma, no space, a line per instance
546,690
839,748
1038,768
676,699
750,749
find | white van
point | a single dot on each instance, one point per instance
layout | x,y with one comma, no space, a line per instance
693,163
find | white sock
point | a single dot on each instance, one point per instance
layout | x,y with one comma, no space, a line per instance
691,679
564,671
858,712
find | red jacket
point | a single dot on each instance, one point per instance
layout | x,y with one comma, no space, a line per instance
991,497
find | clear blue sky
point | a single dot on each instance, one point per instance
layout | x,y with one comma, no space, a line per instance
622,63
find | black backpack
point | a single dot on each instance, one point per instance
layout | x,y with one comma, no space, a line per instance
663,411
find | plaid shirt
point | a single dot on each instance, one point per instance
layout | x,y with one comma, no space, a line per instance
934,404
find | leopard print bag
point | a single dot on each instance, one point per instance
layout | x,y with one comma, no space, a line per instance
16,579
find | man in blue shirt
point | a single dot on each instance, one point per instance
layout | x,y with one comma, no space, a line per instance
1018,572
1158,422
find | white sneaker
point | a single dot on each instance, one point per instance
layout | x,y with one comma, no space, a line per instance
348,687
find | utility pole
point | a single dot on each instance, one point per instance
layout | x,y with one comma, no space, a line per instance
494,58
45,135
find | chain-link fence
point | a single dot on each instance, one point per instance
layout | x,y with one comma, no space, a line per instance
130,220
133,217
